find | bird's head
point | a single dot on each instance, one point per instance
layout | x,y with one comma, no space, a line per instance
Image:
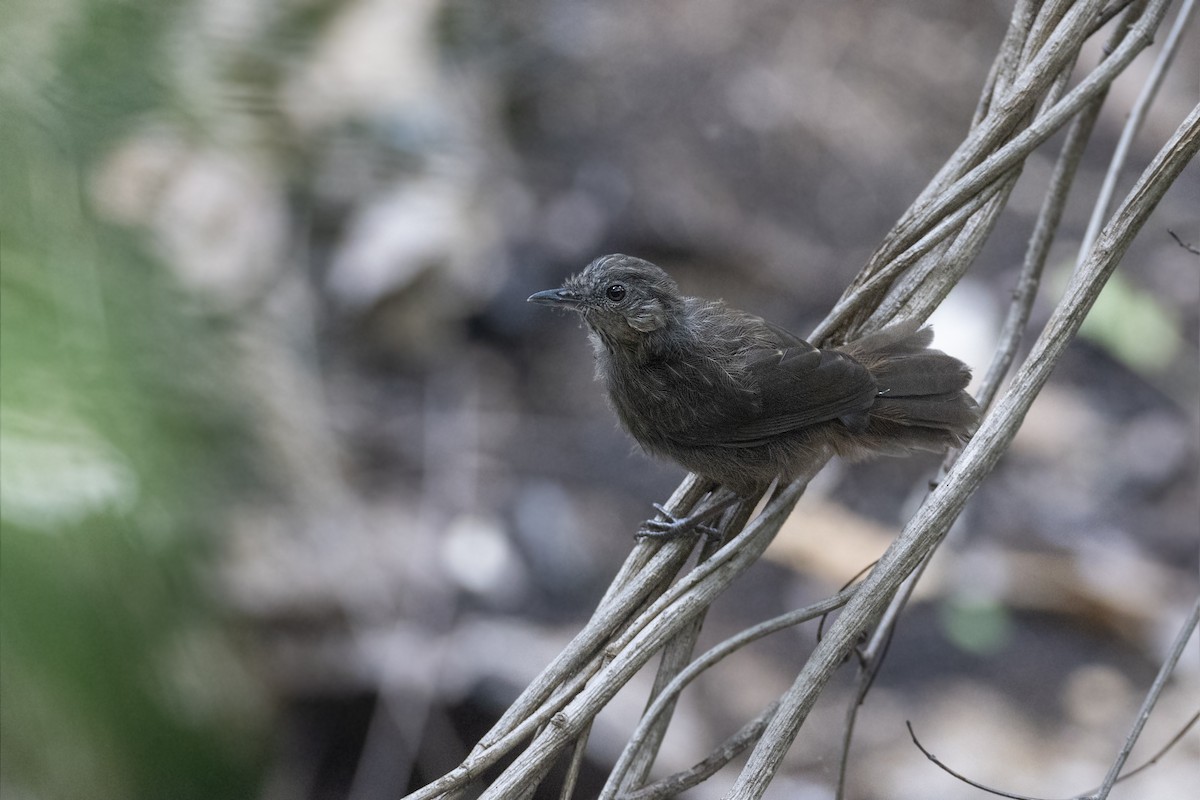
622,298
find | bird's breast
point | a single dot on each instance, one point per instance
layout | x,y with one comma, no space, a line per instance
663,402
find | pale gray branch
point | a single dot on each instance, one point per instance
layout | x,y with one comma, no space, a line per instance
933,519
725,752
653,630
1133,124
676,656
707,661
1185,634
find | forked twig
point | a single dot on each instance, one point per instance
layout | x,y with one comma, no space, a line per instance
1160,681
1162,751
970,782
1114,774
705,662
725,752
1137,115
667,616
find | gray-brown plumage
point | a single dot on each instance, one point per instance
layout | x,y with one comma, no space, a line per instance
741,401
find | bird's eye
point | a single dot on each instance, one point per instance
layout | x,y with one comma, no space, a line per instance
616,292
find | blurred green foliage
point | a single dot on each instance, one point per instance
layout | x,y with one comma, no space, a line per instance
976,624
121,451
1134,326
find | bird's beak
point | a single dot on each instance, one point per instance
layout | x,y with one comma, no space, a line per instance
556,297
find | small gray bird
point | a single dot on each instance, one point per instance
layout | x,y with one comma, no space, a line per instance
741,401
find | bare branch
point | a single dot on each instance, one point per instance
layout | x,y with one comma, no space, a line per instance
654,629
1049,217
1133,124
675,658
1160,681
1181,640
941,765
728,750
705,662
931,208
1191,248
867,296
568,673
1085,796
568,787
1162,751
933,519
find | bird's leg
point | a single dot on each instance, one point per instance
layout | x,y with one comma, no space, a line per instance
671,526
668,526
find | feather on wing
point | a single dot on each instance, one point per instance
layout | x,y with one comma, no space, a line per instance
794,386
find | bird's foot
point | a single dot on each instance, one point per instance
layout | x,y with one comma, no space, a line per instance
669,526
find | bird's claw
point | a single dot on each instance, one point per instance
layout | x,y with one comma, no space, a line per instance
671,526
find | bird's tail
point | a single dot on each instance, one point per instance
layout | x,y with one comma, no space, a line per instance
922,403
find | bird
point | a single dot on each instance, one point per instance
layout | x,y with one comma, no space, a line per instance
741,401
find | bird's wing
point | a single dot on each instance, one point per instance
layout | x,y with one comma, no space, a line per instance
785,337
794,387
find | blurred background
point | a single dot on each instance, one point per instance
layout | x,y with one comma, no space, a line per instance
297,492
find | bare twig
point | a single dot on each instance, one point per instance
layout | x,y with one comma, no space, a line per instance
1028,83
705,662
1011,334
870,662
1085,796
853,579
1049,217
1133,124
1162,751
1007,56
728,750
1108,12
941,765
1160,681
654,629
1191,248
568,673
868,295
932,208
576,763
675,658
924,289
